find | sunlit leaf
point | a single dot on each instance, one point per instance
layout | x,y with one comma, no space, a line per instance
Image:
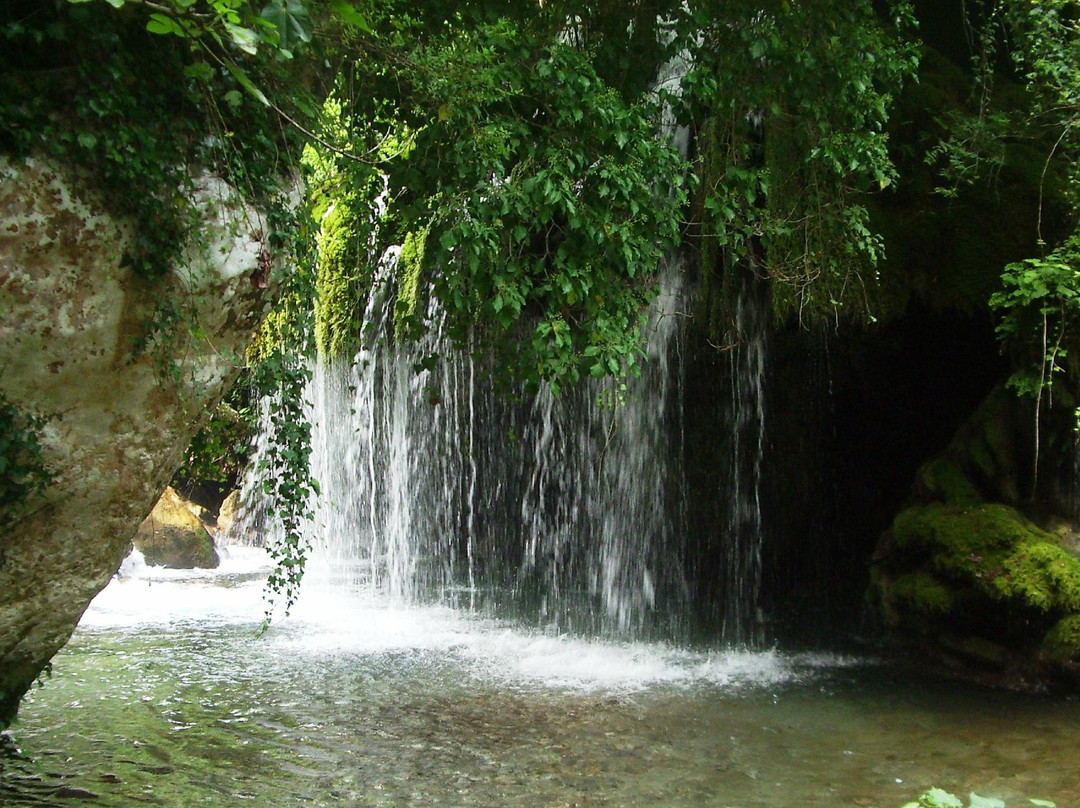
163,24
347,13
245,38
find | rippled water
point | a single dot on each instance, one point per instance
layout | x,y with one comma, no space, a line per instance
166,696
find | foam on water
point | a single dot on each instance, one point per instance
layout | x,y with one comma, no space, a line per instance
338,623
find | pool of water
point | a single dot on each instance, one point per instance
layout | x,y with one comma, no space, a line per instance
166,695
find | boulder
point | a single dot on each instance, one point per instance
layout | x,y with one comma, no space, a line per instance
119,399
977,576
175,536
227,513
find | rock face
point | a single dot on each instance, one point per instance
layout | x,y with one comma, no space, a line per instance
980,576
119,411
174,536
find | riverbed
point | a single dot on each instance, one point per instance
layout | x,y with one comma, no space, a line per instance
168,695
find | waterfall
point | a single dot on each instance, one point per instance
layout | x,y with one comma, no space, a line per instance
745,421
604,495
567,512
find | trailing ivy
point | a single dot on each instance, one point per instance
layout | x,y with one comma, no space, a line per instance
279,377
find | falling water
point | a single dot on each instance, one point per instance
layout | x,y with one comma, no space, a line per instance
567,511
742,620
604,491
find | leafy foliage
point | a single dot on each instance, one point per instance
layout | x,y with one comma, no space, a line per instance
940,798
1040,42
793,100
219,452
1040,307
547,198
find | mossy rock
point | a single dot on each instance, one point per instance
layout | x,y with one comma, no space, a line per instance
410,285
173,536
1041,575
942,480
963,540
923,593
996,550
344,277
1061,645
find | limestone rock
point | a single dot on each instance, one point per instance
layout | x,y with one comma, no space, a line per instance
227,513
74,314
174,536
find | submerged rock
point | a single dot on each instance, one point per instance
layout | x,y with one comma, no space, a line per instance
174,536
82,345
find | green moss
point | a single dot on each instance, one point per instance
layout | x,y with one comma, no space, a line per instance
956,536
945,481
1062,642
343,280
922,593
1041,575
410,282
994,549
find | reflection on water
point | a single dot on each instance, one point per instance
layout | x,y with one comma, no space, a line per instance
166,696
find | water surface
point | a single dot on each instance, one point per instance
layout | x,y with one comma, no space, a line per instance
167,696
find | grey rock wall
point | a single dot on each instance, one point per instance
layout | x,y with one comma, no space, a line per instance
71,315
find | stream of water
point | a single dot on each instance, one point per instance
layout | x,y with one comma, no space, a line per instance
166,696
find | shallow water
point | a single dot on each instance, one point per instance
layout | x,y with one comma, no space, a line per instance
166,696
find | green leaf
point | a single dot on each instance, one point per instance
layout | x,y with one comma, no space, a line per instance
348,15
163,24
245,38
1043,803
975,801
199,71
939,798
292,21
243,80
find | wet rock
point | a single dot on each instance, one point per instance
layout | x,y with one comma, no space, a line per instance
175,536
227,513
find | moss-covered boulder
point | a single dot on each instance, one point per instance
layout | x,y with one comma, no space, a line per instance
174,536
972,571
981,577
